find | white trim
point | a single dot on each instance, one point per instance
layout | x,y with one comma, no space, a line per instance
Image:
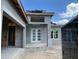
55,33
36,40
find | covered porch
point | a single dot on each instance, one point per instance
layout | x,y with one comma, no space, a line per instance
12,32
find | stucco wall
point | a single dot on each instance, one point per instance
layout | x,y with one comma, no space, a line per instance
58,40
57,43
46,20
19,37
43,36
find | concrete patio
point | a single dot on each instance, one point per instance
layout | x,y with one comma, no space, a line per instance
32,53
47,54
10,53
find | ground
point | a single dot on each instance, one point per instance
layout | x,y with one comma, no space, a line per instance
35,53
40,53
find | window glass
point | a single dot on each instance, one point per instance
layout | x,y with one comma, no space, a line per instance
54,34
37,19
39,34
51,34
34,35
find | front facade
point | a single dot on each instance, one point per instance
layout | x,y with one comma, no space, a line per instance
38,32
39,29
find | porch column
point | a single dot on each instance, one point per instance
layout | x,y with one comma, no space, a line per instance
1,20
24,37
49,36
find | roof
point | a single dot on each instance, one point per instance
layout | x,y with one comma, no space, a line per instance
72,21
39,13
56,26
17,4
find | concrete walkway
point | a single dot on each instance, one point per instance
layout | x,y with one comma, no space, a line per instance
10,53
32,53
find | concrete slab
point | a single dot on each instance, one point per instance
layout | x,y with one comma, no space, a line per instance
10,53
40,53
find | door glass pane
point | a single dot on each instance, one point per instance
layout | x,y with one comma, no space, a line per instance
34,35
51,34
56,34
33,39
39,35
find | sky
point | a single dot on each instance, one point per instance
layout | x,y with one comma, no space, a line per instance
64,10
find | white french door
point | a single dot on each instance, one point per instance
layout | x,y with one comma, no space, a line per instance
35,35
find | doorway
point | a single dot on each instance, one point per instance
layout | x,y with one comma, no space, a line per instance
11,36
35,35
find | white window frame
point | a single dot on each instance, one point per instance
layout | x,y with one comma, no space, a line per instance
54,34
36,40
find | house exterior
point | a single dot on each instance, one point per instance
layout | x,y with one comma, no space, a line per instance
70,39
30,29
38,30
13,24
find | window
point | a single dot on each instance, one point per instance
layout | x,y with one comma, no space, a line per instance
54,34
35,35
51,34
37,19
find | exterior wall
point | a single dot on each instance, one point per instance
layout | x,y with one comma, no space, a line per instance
48,29
58,40
19,37
46,20
44,33
57,43
11,11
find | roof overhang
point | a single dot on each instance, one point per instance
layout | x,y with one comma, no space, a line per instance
18,5
56,26
76,17
40,14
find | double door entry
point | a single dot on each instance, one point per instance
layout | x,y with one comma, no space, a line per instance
35,35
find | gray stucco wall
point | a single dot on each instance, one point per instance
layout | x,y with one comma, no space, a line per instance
57,43
43,33
58,40
19,37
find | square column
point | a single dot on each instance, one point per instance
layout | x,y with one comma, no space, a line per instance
24,37
49,36
1,21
